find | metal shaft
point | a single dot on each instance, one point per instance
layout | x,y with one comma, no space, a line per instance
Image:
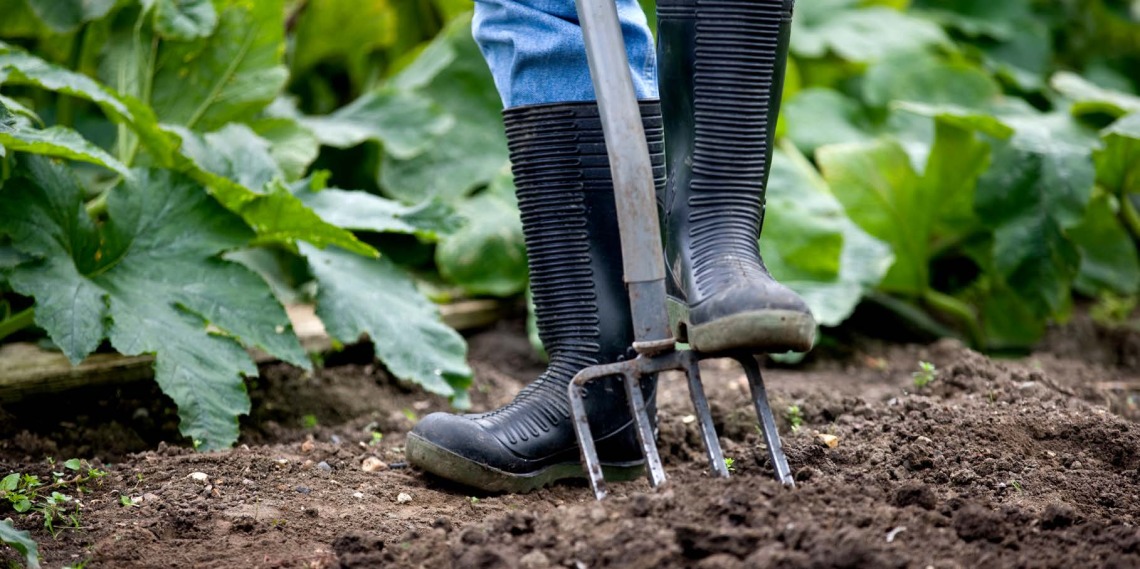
642,256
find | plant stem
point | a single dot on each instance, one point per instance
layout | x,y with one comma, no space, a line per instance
1130,216
17,322
65,114
957,310
98,206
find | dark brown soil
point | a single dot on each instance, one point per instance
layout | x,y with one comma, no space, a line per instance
1030,463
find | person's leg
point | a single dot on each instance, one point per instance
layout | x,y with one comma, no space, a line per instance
722,71
565,194
536,54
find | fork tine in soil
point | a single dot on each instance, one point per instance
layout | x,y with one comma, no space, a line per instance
645,435
767,419
704,417
687,361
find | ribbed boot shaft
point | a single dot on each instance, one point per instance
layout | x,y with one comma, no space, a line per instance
740,48
565,196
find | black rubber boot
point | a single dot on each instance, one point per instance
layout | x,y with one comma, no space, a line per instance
569,220
722,70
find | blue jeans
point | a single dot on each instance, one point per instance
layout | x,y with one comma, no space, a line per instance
536,53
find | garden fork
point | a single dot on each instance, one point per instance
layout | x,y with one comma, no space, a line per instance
644,268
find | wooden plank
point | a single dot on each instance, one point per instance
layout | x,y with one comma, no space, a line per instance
27,369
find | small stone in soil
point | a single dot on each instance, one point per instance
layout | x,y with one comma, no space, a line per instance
199,476
303,489
829,441
358,495
308,446
373,464
403,498
334,439
324,466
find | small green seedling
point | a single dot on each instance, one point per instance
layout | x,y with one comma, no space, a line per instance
411,415
1016,486
473,499
924,375
728,462
795,417
309,421
377,436
127,502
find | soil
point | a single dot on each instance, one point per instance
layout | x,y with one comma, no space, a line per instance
1020,463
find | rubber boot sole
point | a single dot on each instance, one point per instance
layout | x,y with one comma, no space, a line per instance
441,462
758,331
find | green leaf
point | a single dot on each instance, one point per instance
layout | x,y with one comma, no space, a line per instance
471,153
405,123
881,193
60,142
361,211
183,20
229,76
811,245
73,464
65,15
19,67
858,34
151,281
817,117
1118,161
292,146
1089,98
343,31
487,256
1109,258
10,482
357,296
237,166
924,78
1032,195
998,20
22,542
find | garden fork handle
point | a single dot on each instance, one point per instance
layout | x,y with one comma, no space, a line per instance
642,257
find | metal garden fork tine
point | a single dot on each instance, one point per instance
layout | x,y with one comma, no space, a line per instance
704,417
653,469
767,419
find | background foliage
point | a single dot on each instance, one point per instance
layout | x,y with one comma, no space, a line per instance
171,175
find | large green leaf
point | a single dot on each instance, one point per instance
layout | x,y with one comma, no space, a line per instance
924,78
57,141
452,73
1089,98
362,211
1118,161
860,34
343,31
293,146
1031,196
1109,258
487,256
405,123
240,171
151,281
183,20
22,542
20,67
66,15
881,193
228,76
357,296
811,245
817,117
998,20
